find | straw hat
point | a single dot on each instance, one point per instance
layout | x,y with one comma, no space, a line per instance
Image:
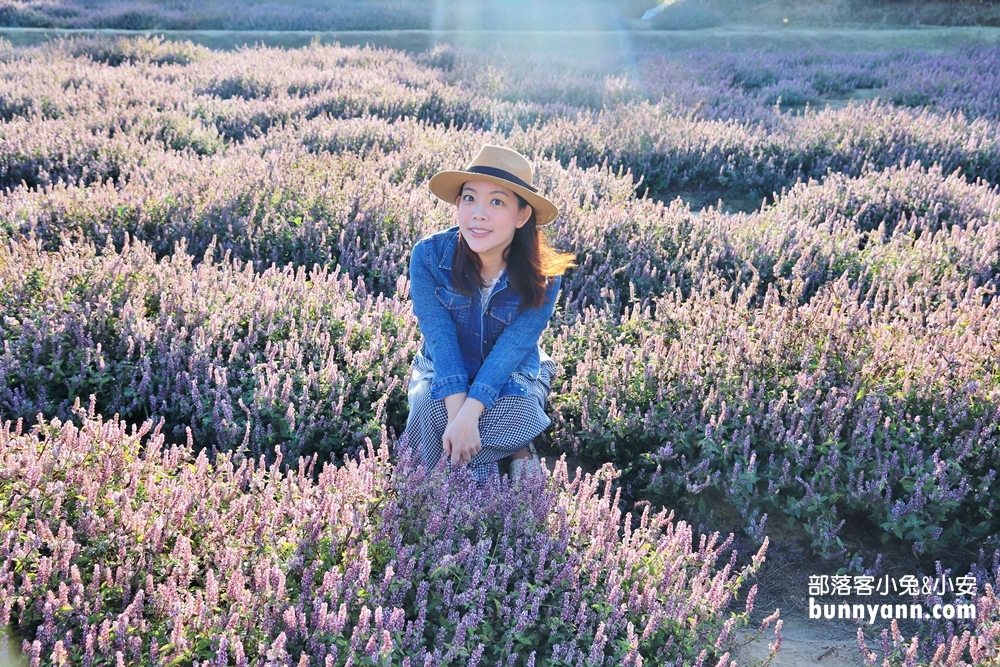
502,166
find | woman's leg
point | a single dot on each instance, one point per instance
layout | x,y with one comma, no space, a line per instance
425,424
527,454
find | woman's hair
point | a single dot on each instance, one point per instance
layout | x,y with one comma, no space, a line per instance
531,261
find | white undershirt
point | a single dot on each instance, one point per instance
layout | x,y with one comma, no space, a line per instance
486,291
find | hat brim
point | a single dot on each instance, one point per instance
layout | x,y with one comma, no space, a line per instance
446,186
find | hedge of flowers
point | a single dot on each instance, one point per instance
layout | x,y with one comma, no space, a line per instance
121,549
313,15
220,241
812,362
283,358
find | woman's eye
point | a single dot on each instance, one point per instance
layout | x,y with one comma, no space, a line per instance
497,202
466,197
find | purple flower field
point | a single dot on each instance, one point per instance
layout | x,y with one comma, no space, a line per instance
142,553
211,250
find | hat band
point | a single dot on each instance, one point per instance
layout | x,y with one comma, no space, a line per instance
500,173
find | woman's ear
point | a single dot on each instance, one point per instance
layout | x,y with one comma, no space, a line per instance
523,214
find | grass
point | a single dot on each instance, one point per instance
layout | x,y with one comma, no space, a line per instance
566,46
520,15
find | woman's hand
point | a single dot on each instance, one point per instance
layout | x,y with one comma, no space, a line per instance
453,404
461,439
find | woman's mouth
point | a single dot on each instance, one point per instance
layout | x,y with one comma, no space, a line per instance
478,232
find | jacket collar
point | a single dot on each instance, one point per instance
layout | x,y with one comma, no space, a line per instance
448,257
448,250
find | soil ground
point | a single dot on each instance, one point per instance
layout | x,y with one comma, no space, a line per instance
10,649
805,643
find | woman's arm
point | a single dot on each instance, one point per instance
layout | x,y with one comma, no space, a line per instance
516,341
436,326
461,439
451,382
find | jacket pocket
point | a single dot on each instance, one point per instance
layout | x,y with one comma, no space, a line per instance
503,313
458,305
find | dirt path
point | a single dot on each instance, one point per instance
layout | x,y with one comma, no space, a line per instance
10,649
805,643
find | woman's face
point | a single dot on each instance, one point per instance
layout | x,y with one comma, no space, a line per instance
488,215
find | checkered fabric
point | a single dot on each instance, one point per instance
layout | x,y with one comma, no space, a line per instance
508,426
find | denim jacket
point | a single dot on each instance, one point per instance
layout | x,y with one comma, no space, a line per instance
466,342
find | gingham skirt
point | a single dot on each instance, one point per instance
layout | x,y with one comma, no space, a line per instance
512,422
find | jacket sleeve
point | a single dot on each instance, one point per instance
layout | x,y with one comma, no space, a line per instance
436,326
517,340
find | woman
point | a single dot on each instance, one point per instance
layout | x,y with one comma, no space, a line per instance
483,292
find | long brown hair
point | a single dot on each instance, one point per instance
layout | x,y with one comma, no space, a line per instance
530,259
